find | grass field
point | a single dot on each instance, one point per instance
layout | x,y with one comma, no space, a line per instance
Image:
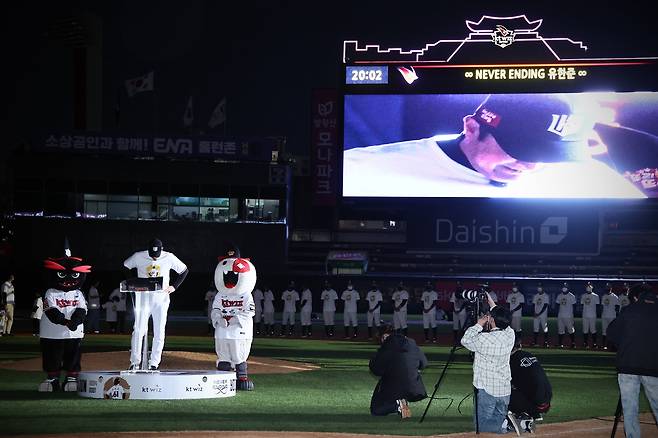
334,398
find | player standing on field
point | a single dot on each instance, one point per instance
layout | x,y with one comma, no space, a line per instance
400,300
289,297
566,301
589,300
209,298
268,311
258,296
540,321
350,297
153,263
610,302
374,299
429,298
458,312
516,300
306,309
328,297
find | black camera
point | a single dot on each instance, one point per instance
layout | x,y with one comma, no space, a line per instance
477,301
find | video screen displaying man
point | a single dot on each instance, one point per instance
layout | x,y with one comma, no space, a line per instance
568,145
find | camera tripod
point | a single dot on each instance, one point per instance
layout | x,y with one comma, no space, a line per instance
451,357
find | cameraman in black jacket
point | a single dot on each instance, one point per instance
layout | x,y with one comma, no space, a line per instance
633,332
397,363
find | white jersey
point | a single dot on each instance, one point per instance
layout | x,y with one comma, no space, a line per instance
122,297
66,303
539,300
458,303
110,311
609,301
149,268
350,297
373,297
329,297
307,296
428,298
566,302
93,299
624,301
493,296
514,299
268,302
38,312
8,292
399,296
258,299
232,316
419,168
589,302
210,299
289,298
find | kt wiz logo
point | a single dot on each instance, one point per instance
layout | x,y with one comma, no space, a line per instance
553,230
503,37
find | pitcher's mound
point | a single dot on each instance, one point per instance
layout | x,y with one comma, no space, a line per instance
171,360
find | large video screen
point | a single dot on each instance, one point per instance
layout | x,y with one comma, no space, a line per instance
595,145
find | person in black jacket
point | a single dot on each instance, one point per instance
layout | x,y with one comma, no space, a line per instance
633,332
397,363
531,390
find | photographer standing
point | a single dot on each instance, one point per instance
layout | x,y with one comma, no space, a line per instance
632,332
492,340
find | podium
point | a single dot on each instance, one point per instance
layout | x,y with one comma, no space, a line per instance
144,384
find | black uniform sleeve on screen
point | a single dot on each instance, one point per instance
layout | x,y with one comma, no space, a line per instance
179,280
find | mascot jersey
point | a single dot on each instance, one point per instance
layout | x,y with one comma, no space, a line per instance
66,302
149,268
234,308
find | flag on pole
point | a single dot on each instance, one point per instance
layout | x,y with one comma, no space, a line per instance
218,115
139,84
188,117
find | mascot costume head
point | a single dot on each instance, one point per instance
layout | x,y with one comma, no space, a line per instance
232,314
66,273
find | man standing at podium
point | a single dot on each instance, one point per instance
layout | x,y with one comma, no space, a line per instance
153,263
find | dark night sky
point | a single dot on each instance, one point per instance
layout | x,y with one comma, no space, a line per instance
264,57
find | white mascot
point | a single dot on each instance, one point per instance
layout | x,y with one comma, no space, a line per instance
232,313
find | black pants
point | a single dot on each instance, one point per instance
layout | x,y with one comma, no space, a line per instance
519,403
60,354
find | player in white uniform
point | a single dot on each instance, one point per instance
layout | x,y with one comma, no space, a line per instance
306,308
458,313
400,300
92,325
589,300
209,299
516,300
540,321
350,297
289,297
374,299
329,298
153,263
258,296
429,298
233,314
120,300
624,298
268,311
610,305
61,329
565,300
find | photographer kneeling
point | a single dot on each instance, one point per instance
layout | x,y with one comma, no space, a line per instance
397,363
492,340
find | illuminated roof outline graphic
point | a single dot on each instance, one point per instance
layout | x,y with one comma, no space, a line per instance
482,31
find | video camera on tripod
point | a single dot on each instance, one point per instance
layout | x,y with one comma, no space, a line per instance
477,301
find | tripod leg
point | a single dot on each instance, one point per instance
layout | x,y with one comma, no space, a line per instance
438,383
618,413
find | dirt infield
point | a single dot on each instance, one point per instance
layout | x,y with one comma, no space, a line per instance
171,360
593,428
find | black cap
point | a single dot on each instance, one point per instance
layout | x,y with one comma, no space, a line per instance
155,248
537,127
230,250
